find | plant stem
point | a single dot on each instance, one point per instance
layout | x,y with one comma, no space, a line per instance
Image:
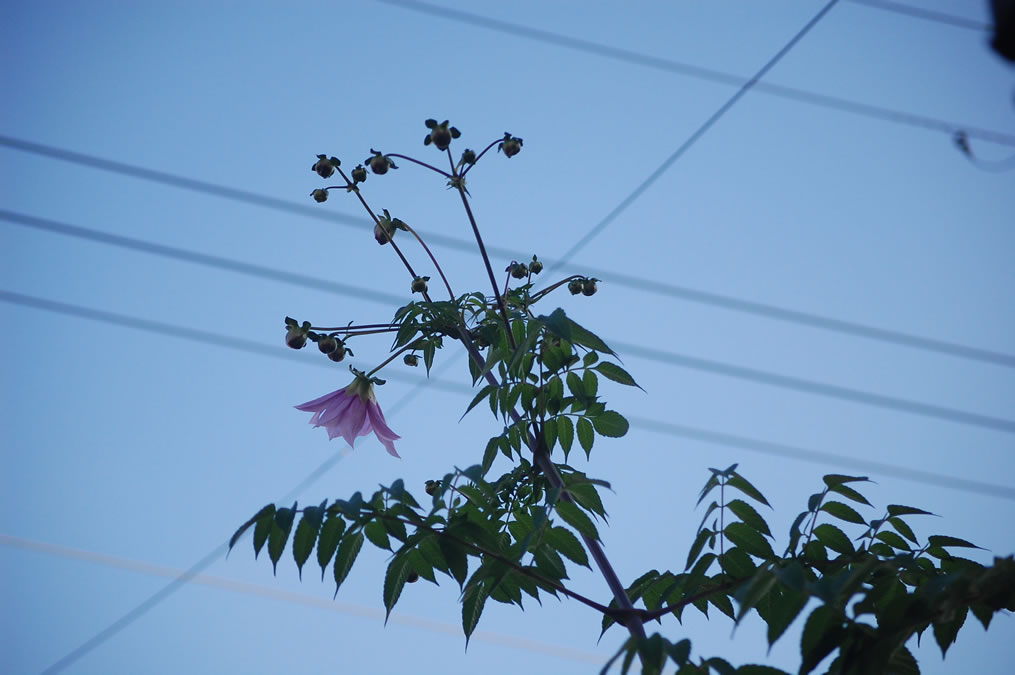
411,345
433,259
479,156
423,164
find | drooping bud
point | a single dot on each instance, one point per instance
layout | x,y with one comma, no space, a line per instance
410,360
419,284
359,174
379,163
296,334
511,145
431,487
319,195
339,352
468,157
518,270
440,134
327,344
535,266
384,231
575,286
325,166
412,577
589,286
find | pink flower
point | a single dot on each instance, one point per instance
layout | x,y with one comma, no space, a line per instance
352,412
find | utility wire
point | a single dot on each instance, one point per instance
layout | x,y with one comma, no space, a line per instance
648,353
660,288
228,342
929,15
668,65
693,138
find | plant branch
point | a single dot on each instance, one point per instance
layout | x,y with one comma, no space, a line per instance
423,164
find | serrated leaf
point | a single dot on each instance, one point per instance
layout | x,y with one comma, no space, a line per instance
750,594
488,390
263,528
849,493
586,434
490,453
590,383
550,433
565,433
577,519
697,546
843,512
942,541
456,559
902,528
899,510
586,338
893,540
611,424
839,479
945,632
822,633
565,542
306,535
331,534
708,512
740,483
754,669
612,371
243,528
377,534
394,582
749,515
346,556
783,610
833,538
282,525
749,540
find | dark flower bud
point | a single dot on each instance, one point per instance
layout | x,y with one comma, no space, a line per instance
440,134
359,174
327,344
511,145
379,163
384,231
535,266
410,360
296,336
468,157
431,487
419,284
338,353
325,166
518,270
412,577
319,195
589,286
575,286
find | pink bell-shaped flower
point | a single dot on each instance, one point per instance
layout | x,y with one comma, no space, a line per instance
352,412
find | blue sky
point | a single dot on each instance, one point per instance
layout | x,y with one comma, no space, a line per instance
130,455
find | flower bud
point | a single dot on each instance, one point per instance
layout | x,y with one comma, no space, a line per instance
359,174
412,577
410,360
589,287
379,163
319,195
468,157
325,167
535,266
327,344
440,135
296,336
383,232
431,487
338,353
518,270
511,145
419,284
575,286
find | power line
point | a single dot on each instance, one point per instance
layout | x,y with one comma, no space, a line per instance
690,70
659,356
664,289
304,599
228,342
929,15
693,138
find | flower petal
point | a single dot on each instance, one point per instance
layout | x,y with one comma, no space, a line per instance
336,409
351,423
318,404
380,425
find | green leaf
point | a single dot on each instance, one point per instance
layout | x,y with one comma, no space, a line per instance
550,433
833,538
680,651
243,528
549,562
488,390
822,634
614,372
943,541
902,528
280,529
697,546
783,610
577,519
737,563
740,483
265,519
849,493
586,338
574,384
490,453
346,556
331,533
835,479
586,435
456,558
557,323
394,582
610,423
754,669
899,510
565,433
843,512
377,534
946,631
750,594
893,540
306,535
749,515
561,539
749,540
590,383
